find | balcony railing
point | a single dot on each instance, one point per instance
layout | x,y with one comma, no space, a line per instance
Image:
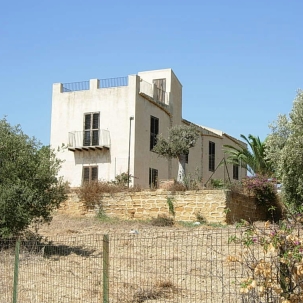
75,86
103,83
152,91
113,82
89,140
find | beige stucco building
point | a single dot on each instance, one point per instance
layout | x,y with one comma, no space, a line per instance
109,127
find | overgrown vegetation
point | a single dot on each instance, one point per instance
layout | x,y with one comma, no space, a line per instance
162,220
29,187
274,261
91,192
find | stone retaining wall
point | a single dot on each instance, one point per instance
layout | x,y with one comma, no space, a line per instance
218,206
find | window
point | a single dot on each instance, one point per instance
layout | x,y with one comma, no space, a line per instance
161,89
212,153
153,178
154,131
91,129
90,173
236,172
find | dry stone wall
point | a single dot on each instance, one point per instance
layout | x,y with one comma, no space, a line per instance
218,206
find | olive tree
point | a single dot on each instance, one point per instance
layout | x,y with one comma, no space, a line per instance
180,139
284,149
29,187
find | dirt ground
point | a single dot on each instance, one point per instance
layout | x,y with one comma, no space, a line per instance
146,263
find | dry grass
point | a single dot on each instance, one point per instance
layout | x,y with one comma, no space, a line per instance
159,264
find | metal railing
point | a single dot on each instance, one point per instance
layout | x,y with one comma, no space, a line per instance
75,86
113,82
152,91
80,139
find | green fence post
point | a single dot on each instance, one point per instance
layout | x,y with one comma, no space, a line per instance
16,271
105,269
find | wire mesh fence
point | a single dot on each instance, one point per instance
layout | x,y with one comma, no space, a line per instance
175,266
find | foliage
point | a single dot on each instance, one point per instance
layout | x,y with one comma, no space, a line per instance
162,220
122,179
216,183
261,187
180,139
29,187
273,258
284,148
171,207
255,160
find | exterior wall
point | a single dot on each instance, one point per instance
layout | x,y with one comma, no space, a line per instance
173,88
116,105
144,158
210,204
222,172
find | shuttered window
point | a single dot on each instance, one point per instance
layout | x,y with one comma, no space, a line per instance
212,154
153,178
90,173
154,131
235,172
91,129
161,89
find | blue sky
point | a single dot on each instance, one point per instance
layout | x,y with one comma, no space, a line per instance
240,61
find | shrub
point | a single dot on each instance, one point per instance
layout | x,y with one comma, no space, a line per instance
162,220
176,186
29,187
261,187
216,183
122,180
273,259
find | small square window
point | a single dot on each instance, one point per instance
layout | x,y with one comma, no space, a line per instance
90,173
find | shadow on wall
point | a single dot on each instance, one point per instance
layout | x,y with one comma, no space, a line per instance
89,157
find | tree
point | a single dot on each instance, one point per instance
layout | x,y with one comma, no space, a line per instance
29,186
284,149
254,159
180,139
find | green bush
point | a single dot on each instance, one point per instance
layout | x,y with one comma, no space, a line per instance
29,187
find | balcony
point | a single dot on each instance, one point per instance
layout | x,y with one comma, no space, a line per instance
152,92
88,140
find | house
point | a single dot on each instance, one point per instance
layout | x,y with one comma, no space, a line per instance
110,127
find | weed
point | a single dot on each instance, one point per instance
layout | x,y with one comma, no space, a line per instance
171,207
200,218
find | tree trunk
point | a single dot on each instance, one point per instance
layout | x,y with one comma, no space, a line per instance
181,169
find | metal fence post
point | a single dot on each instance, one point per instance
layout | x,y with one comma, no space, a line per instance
16,271
105,269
